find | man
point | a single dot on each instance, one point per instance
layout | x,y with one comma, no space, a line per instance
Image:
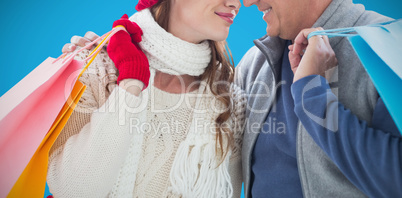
310,135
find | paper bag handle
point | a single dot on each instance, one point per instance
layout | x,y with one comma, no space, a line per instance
105,38
347,32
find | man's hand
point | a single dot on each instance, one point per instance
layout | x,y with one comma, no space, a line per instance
311,57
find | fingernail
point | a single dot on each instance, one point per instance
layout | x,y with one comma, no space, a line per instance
91,36
75,39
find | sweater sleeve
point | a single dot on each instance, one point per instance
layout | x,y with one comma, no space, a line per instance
100,78
368,156
87,156
90,161
238,117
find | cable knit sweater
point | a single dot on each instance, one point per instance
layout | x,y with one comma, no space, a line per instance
119,145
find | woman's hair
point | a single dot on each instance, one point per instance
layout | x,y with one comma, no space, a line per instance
219,75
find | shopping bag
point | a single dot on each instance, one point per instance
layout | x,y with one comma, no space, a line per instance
379,48
32,181
29,111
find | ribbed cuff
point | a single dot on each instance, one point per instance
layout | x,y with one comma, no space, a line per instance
134,69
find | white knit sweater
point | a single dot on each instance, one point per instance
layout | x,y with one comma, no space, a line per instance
119,145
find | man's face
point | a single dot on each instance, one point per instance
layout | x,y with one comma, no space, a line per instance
285,18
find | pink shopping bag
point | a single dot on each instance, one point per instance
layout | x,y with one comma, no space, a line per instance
29,109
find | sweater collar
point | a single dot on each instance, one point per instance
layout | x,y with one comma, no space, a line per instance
168,53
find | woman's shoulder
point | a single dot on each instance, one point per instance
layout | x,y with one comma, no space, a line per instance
100,77
102,66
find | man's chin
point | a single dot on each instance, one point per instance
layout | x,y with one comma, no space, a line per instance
271,33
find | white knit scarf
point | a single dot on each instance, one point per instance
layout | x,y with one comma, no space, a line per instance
195,171
168,53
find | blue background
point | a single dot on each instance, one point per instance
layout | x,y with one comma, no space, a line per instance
35,30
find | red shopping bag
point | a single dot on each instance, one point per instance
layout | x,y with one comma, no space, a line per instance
29,111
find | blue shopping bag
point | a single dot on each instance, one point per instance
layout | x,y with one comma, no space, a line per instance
379,48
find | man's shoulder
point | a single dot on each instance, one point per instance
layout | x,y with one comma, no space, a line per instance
371,17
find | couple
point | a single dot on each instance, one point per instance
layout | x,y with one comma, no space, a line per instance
298,118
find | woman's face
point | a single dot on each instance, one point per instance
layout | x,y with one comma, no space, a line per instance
198,20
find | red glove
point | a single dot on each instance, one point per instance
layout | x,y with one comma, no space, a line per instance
126,54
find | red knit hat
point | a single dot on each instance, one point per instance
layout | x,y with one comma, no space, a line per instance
143,4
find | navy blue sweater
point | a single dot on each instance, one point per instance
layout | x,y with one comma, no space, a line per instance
274,165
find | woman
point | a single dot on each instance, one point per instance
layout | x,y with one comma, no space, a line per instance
164,123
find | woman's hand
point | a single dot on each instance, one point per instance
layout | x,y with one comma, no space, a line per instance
127,55
314,56
79,41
